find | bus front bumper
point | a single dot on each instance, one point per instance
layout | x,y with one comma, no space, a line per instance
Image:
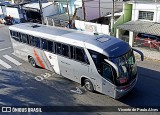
121,91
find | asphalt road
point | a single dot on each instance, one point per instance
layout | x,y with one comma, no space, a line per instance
23,85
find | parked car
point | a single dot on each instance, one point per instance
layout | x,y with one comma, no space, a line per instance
147,40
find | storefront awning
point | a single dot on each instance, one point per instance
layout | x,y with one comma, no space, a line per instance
141,27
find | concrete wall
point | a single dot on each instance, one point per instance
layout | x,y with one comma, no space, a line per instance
127,13
92,27
106,6
92,8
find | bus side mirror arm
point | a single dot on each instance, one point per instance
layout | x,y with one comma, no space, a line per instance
142,55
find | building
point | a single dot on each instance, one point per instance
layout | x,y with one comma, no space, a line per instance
86,10
13,10
33,13
144,27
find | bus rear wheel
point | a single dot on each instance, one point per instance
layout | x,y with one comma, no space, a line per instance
32,61
88,85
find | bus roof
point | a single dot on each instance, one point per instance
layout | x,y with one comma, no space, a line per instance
108,45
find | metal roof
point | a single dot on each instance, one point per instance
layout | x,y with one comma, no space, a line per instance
35,5
141,27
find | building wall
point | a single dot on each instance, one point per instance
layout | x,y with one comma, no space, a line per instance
14,12
1,12
146,7
127,13
107,6
50,10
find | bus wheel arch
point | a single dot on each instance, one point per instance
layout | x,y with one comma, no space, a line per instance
87,84
32,61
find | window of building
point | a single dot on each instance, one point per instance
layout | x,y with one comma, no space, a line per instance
146,15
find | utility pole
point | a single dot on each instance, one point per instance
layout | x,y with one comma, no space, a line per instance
84,12
40,10
99,8
112,19
68,14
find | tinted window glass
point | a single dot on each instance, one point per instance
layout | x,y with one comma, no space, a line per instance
58,48
37,42
107,71
15,35
80,55
24,38
152,37
44,44
72,53
34,41
65,50
158,39
50,46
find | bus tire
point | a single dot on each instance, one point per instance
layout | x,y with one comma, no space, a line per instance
88,85
32,62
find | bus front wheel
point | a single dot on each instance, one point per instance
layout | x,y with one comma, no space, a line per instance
32,61
88,85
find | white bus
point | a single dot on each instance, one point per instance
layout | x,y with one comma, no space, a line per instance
98,62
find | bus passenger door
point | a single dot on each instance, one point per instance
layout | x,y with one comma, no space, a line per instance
107,80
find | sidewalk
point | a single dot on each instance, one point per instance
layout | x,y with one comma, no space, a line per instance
148,54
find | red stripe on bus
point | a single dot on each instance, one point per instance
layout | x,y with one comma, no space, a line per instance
39,59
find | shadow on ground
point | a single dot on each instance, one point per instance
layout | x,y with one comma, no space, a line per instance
20,88
147,90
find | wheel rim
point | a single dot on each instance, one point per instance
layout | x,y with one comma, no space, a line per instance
88,85
32,62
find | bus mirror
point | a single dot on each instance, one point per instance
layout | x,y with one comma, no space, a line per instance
139,52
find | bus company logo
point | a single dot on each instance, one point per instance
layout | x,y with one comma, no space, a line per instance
6,109
21,109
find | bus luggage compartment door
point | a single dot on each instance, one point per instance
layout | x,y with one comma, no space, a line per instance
53,61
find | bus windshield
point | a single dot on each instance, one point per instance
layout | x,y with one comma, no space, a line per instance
126,67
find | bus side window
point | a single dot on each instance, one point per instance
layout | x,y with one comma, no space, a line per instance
44,44
24,38
50,47
71,52
34,41
80,55
37,42
16,36
58,48
65,50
